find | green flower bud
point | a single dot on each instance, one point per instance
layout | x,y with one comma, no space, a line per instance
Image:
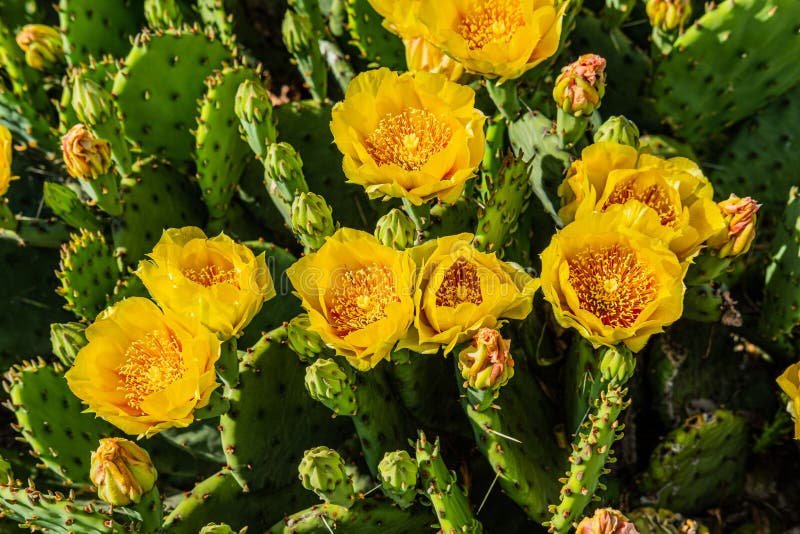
221,528
253,107
305,343
740,229
397,472
86,156
67,339
162,13
284,164
667,15
42,46
396,230
298,33
322,471
617,364
618,129
328,383
312,220
91,102
581,85
122,471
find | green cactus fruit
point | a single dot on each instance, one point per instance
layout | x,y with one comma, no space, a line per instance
322,471
253,108
270,392
220,528
617,365
305,343
372,40
101,72
89,272
590,454
650,520
53,512
396,230
364,517
67,339
65,203
332,385
699,465
448,499
618,129
93,29
160,121
780,321
220,153
746,49
163,14
312,220
503,198
34,389
301,39
284,177
397,473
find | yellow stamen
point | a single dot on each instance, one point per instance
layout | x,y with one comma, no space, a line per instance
653,196
493,23
461,283
612,284
152,363
359,298
408,139
211,275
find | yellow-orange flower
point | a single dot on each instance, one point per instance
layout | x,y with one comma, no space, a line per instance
358,295
610,276
501,38
214,280
461,290
423,56
415,135
86,156
609,174
6,143
789,382
606,521
145,370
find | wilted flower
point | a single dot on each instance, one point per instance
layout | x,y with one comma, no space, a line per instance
606,521
581,85
358,295
6,143
486,362
789,382
85,155
740,219
145,370
42,45
415,135
122,471
214,280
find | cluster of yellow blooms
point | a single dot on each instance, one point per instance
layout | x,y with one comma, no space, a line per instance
147,368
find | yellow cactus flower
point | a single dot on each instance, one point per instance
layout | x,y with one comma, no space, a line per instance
416,135
502,38
789,382
122,471
6,143
611,276
400,16
215,280
86,156
358,295
145,370
423,56
461,290
610,173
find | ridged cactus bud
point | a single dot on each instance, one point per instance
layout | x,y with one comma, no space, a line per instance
283,163
122,471
606,521
737,236
396,230
305,343
253,107
312,220
327,382
581,85
617,364
667,15
322,471
91,102
397,472
162,13
485,365
86,156
42,46
618,129
220,528
67,339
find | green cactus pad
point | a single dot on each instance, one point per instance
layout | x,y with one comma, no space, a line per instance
35,390
88,273
376,44
698,465
746,50
95,29
159,117
221,154
65,203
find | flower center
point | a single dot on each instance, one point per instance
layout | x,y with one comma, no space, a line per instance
211,275
408,139
654,196
460,284
493,23
612,284
360,298
152,363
